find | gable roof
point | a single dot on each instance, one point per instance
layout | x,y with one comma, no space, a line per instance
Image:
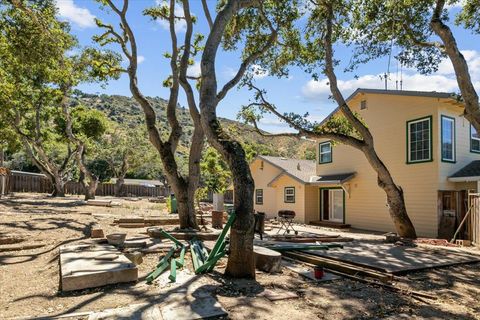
471,172
408,93
300,170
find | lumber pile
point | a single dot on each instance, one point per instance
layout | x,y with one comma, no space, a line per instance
139,222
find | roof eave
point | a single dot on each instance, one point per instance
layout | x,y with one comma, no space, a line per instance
464,179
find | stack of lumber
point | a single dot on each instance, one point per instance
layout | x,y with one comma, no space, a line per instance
139,222
309,238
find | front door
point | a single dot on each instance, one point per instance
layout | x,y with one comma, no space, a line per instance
332,205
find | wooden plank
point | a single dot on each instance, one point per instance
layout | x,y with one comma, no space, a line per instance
340,266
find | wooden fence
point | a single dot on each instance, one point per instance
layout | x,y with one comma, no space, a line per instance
34,182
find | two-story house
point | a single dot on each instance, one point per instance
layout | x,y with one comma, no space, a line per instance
431,150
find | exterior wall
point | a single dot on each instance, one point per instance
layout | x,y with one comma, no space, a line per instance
262,178
312,205
386,117
299,205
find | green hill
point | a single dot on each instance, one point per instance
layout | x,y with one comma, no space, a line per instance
125,110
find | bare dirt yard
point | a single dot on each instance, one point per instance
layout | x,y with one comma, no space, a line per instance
29,279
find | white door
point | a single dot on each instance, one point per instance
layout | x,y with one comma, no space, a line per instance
336,205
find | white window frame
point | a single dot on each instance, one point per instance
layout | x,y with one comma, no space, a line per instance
452,121
430,146
258,196
289,192
320,153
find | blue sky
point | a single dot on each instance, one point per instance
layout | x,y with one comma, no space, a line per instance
299,93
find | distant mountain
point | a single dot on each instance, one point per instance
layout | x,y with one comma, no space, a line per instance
126,110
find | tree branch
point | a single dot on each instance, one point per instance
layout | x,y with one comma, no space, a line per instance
207,13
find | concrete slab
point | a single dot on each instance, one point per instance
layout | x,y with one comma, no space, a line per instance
90,266
133,312
395,259
199,308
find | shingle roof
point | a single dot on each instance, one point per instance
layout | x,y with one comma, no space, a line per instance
470,170
301,170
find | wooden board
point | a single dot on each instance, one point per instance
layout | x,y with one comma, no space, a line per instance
87,266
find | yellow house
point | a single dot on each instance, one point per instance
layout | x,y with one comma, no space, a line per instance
431,150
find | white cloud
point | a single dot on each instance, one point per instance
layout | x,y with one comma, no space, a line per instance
444,80
194,70
140,59
180,24
81,17
258,72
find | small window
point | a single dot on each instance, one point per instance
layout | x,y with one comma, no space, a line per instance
325,152
448,139
289,196
363,104
259,196
419,140
474,140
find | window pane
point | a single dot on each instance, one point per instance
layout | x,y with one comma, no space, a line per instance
419,140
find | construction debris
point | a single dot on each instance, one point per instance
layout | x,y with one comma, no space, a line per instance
90,266
138,222
279,246
97,232
136,257
157,233
169,260
204,261
103,203
116,239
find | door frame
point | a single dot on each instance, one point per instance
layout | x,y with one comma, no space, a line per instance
320,203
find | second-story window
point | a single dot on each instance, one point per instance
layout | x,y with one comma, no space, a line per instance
419,140
474,140
325,152
448,139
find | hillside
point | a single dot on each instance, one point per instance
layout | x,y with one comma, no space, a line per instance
125,110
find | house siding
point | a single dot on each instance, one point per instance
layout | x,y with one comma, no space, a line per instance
387,116
262,178
299,206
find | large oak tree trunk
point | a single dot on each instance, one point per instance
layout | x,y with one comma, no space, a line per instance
467,89
117,189
58,186
395,199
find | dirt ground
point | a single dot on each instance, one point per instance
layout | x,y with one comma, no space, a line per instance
29,279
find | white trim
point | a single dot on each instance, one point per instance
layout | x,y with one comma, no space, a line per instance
473,138
464,179
320,153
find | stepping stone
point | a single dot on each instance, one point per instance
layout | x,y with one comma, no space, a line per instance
199,308
278,294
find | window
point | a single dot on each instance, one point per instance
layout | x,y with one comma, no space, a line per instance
258,196
474,140
448,139
419,140
325,152
363,104
289,195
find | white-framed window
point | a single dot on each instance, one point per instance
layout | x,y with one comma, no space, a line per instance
448,138
258,196
419,140
325,152
289,195
474,140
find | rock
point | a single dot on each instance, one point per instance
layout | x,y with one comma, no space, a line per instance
116,239
136,257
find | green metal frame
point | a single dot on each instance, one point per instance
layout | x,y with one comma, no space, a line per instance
162,265
320,209
454,139
430,118
204,261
